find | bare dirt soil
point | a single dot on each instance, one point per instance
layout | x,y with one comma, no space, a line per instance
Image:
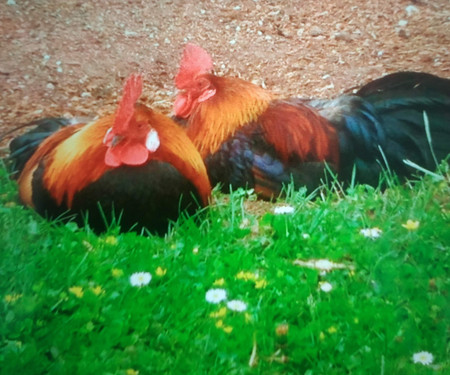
70,58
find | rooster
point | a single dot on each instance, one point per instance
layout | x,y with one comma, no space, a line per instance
250,138
136,166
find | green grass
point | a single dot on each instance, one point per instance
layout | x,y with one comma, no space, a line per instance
389,302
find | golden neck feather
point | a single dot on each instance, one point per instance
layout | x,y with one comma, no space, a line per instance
235,104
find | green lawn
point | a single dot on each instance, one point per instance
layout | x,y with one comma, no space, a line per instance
68,306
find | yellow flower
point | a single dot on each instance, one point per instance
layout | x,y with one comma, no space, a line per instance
219,282
246,276
411,225
321,336
11,298
223,327
227,329
131,371
241,275
97,290
111,240
219,313
77,290
116,272
161,271
260,284
251,276
332,330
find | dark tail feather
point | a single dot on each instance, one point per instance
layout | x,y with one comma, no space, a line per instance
391,114
406,83
23,147
401,101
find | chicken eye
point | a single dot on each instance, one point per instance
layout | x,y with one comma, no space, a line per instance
202,83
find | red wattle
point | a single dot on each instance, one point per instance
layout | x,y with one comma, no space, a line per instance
126,153
182,105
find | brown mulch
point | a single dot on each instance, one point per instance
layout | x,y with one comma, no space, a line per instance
70,58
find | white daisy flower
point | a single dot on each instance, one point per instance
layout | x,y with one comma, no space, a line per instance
325,286
140,278
216,295
425,358
371,232
237,305
282,210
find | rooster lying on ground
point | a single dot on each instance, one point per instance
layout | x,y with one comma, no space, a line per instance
136,165
249,138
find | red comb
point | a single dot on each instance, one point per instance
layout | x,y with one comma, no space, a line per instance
195,61
132,90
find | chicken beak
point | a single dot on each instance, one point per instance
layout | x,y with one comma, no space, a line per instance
116,140
111,139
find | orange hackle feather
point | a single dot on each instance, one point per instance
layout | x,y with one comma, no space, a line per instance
49,144
235,104
87,163
195,61
66,150
291,129
177,149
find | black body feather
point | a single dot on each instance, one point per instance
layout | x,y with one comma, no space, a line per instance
22,147
247,160
120,195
